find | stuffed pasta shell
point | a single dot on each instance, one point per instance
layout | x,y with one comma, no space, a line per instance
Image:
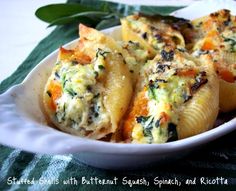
82,95
152,32
216,35
176,97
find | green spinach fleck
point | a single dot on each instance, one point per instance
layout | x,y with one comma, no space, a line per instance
147,124
167,56
71,92
232,42
101,52
101,67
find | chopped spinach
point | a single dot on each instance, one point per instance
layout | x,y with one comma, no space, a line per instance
147,130
160,80
152,90
90,120
135,44
96,114
96,74
64,83
57,75
94,110
167,56
160,68
71,92
157,124
101,52
101,67
199,81
142,119
73,122
60,115
232,42
147,124
96,96
181,49
64,112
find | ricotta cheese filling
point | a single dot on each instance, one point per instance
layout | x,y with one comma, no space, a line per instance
81,104
168,87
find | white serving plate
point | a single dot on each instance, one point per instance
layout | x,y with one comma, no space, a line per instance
23,124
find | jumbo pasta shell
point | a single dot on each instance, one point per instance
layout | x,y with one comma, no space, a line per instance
85,97
216,36
200,113
176,94
151,32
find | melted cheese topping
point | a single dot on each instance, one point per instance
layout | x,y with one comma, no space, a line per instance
156,33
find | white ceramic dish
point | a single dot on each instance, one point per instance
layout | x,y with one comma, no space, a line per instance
23,125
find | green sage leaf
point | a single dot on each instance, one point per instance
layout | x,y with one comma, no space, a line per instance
50,13
91,17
